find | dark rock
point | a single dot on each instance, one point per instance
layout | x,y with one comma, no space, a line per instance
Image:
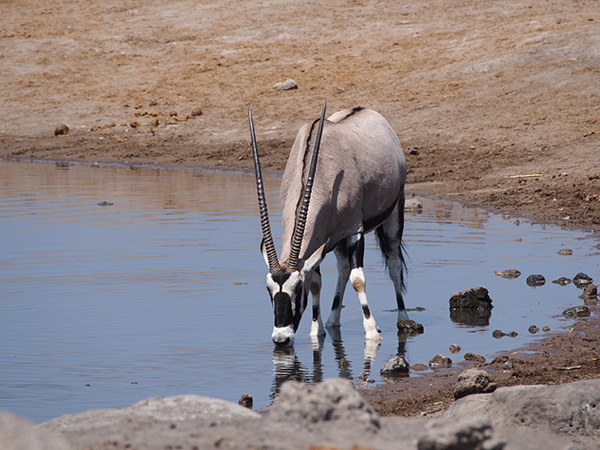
590,292
562,281
512,334
536,280
105,203
510,273
409,327
196,112
474,357
565,251
473,381
246,400
507,365
581,279
440,362
61,130
497,334
474,299
533,329
454,348
395,367
546,329
577,311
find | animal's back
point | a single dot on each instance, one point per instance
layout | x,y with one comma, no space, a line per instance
360,175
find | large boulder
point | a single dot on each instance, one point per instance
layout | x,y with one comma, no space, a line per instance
333,400
571,409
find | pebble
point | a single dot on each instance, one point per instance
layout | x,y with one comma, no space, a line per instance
533,329
473,381
419,367
545,329
440,362
412,204
590,292
286,85
454,348
581,279
510,273
536,280
246,400
395,367
474,357
565,251
474,299
61,130
562,281
409,327
577,311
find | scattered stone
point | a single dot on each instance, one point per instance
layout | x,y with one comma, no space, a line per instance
61,130
414,151
562,281
473,381
497,334
474,357
533,329
507,365
134,124
154,123
412,204
63,164
536,280
286,85
409,327
474,299
545,329
581,279
454,348
440,362
565,251
512,334
509,273
105,203
196,112
246,400
590,293
419,367
577,311
335,399
475,433
395,367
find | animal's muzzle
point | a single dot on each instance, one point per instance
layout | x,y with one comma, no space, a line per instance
283,336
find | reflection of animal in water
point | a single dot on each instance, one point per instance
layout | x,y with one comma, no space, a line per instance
344,177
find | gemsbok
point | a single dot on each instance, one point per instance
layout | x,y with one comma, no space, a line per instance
344,177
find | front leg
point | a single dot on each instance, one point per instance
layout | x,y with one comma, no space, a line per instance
356,252
343,269
316,328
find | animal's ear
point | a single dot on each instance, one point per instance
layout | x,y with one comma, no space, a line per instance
263,250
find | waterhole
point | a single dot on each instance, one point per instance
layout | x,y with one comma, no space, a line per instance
118,284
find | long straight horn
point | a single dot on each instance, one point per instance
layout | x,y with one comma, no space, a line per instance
301,223
272,259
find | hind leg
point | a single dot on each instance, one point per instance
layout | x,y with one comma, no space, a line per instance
316,328
389,235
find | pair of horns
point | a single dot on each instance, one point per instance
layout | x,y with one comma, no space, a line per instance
272,259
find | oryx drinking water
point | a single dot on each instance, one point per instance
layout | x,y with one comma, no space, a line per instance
344,177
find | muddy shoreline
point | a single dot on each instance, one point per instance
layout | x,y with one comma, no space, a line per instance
495,104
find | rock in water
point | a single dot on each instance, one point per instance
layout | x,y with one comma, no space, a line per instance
536,280
61,130
474,357
577,311
581,279
474,299
409,327
246,400
510,273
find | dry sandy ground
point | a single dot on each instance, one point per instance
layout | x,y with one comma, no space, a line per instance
497,103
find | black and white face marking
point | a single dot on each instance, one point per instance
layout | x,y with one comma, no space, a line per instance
289,302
